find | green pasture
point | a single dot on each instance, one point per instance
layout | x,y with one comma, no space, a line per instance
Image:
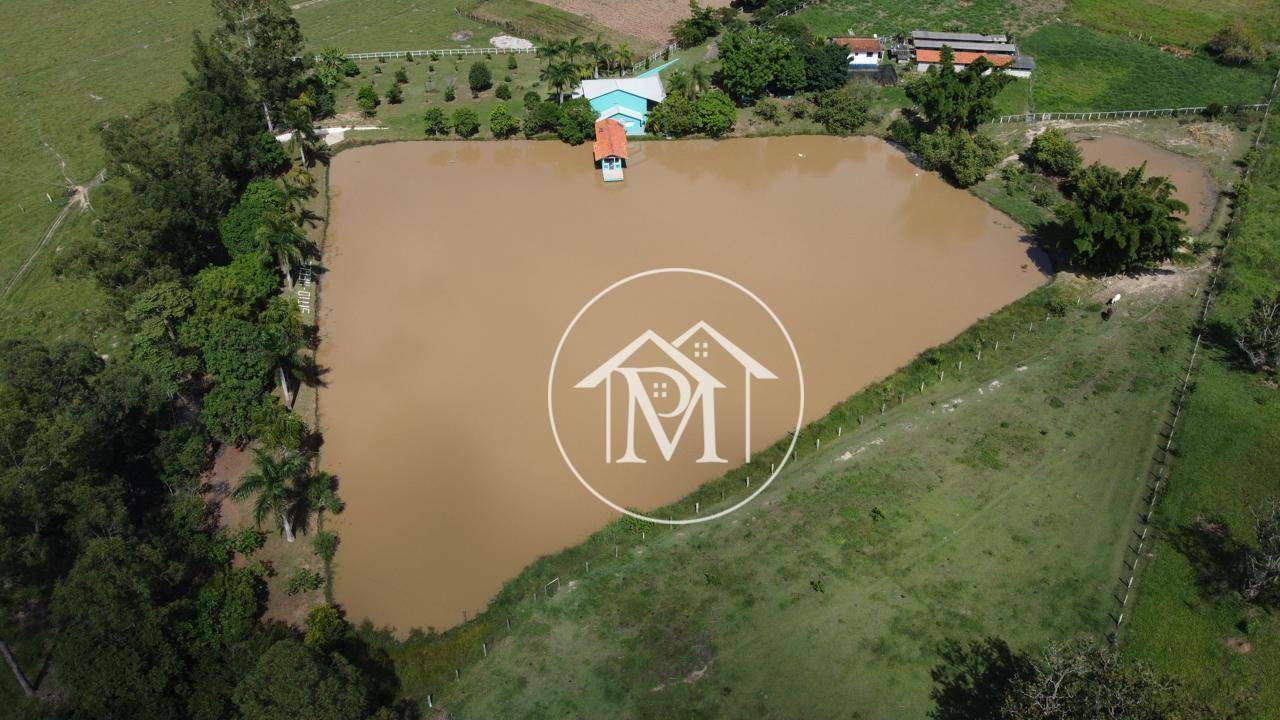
1187,23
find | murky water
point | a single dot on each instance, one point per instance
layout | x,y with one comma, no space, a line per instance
454,268
1194,185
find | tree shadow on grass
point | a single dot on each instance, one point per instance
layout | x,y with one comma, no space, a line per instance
972,679
1217,557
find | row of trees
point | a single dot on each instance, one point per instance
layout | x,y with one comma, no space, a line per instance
107,547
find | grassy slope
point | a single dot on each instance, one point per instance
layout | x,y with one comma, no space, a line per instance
1005,514
1228,460
1188,23
895,17
1080,69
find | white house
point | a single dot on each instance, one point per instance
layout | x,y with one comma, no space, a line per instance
863,51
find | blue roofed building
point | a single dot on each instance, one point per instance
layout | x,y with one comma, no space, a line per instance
626,100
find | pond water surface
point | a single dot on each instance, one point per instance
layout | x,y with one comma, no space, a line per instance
1194,185
453,268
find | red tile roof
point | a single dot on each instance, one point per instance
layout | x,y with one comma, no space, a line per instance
611,139
963,58
858,44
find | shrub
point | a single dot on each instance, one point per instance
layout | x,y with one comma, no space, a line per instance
367,100
479,78
402,77
502,123
303,580
449,92
1236,45
716,113
904,132
839,112
239,228
768,111
961,157
465,122
511,62
1054,154
434,122
377,70
248,541
408,56
577,121
394,95
503,92
325,627
325,545
531,99
542,116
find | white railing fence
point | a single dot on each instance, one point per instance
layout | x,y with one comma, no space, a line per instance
1119,114
394,54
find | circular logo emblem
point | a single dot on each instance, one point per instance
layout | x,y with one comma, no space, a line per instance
667,379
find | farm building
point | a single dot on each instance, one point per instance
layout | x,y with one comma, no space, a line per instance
610,148
926,50
624,100
863,51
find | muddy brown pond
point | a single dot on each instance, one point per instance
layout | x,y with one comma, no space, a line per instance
1194,185
452,269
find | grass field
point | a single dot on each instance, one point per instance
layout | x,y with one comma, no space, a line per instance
1080,69
1187,23
996,502
1227,461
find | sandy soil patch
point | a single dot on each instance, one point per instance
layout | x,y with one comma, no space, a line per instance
650,20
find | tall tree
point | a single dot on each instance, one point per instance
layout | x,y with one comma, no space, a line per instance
599,51
750,60
560,74
267,41
1116,221
291,681
283,242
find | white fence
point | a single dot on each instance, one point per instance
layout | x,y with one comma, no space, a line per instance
1117,114
393,54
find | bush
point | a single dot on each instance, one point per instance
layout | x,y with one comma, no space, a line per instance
502,123
377,69
239,229
325,545
434,122
542,116
479,78
768,111
408,56
511,62
465,122
577,122
325,627
367,100
402,77
839,112
961,157
248,541
1236,45
716,113
531,99
395,95
1054,154
449,92
503,92
303,580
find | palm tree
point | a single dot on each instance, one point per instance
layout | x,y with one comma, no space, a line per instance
560,75
297,113
273,485
551,50
680,82
317,495
282,241
624,57
698,76
600,53
298,187
573,48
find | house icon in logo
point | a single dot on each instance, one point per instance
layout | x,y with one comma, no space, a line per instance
689,378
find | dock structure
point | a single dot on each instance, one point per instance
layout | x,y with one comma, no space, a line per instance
610,149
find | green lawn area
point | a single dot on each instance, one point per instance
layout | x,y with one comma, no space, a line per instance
999,502
1078,69
898,17
1188,23
1227,462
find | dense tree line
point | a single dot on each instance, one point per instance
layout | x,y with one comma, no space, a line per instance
107,547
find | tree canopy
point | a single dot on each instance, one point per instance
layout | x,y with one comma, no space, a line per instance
1117,221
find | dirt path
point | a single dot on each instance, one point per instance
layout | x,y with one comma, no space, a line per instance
79,199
